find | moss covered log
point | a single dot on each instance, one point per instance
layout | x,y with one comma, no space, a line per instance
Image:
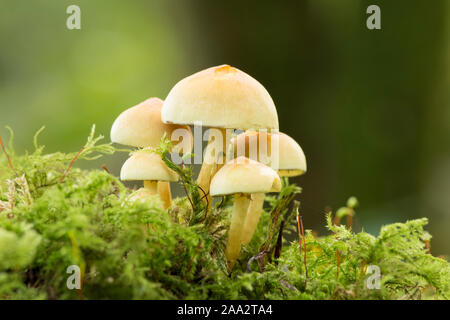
54,215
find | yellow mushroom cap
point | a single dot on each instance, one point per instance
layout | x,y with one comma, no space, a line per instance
148,166
242,175
220,97
291,159
141,126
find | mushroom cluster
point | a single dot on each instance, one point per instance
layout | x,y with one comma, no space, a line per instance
141,126
246,166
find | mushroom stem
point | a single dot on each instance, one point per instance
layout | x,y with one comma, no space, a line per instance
163,190
211,164
151,186
241,203
204,179
255,209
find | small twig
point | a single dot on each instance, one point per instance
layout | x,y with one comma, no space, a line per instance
363,265
104,167
204,193
427,246
221,201
361,272
299,234
7,156
80,294
193,256
184,185
45,185
288,285
205,196
275,214
304,245
337,221
70,165
279,243
256,257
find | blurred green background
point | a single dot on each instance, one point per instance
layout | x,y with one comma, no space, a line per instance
371,108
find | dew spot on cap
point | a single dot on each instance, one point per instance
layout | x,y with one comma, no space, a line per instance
225,69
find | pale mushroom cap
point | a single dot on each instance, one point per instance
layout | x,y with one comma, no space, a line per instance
141,126
220,97
243,175
148,166
258,146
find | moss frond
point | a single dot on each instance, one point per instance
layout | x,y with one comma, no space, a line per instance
137,250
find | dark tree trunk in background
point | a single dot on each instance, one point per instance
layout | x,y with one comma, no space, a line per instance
355,99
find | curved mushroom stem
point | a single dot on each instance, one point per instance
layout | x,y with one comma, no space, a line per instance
215,153
241,203
204,180
151,186
253,214
163,190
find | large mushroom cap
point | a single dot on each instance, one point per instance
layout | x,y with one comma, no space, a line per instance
258,145
141,126
145,165
220,97
243,175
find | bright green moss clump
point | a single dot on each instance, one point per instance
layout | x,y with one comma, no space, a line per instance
52,217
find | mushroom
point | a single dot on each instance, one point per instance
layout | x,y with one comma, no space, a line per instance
260,146
141,126
242,177
145,165
220,97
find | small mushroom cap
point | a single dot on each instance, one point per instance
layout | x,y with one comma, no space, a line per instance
146,165
242,175
141,126
142,194
291,159
220,97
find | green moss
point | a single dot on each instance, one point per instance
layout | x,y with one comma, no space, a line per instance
53,215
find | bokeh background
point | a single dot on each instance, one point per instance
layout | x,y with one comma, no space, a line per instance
371,108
